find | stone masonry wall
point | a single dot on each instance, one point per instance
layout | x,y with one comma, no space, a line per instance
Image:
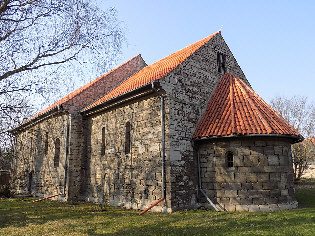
43,174
35,172
260,180
130,180
189,88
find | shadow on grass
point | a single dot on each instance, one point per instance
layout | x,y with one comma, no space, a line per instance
21,212
297,223
91,219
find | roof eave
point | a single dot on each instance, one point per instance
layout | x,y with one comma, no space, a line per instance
45,115
295,138
153,86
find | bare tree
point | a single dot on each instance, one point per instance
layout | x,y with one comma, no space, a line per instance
46,46
303,154
301,115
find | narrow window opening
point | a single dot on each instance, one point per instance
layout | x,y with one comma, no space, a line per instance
221,62
46,144
146,192
31,147
30,180
103,142
57,152
230,159
127,138
21,145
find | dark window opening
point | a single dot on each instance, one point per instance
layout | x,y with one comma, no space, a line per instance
146,192
103,142
57,152
31,147
46,144
221,62
230,159
30,180
127,138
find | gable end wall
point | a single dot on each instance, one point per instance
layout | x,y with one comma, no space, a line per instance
189,88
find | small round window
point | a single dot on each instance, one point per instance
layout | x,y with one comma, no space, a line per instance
230,159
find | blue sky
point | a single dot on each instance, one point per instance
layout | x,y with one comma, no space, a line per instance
273,41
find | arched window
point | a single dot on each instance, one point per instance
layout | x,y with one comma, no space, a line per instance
31,147
57,153
230,159
46,144
127,138
103,142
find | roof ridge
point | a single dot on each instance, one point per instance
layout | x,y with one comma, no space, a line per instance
101,77
155,71
232,107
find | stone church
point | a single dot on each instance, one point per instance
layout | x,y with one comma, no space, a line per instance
187,131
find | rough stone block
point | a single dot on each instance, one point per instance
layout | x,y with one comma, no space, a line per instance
275,193
229,207
269,150
263,161
242,193
247,186
273,160
272,200
260,143
253,208
264,208
263,177
257,150
224,200
269,186
238,161
251,178
240,177
257,186
175,155
278,150
284,192
241,207
258,201
284,160
220,179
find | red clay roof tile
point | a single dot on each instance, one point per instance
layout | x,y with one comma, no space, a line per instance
80,90
235,109
153,72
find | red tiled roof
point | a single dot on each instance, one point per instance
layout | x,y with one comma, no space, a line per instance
235,109
154,71
78,91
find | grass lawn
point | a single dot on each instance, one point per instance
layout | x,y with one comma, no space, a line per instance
22,217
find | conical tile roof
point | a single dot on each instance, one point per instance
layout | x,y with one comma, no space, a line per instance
235,109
